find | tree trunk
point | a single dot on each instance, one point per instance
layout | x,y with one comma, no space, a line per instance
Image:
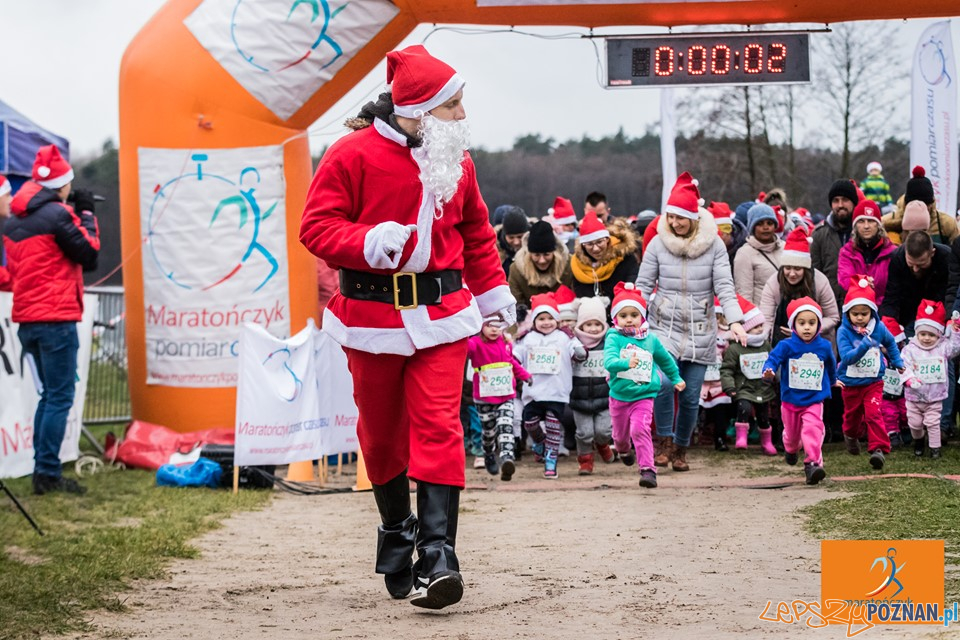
748,139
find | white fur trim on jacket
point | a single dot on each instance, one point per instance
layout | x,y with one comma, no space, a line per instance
495,299
369,339
454,84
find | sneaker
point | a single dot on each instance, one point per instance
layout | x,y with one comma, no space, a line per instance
628,458
918,447
478,462
490,462
876,459
935,452
648,478
606,453
48,484
814,473
550,466
507,467
790,458
853,446
895,441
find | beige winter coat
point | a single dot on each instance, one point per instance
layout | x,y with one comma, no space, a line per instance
753,266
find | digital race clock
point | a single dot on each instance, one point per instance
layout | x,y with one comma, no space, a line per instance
690,59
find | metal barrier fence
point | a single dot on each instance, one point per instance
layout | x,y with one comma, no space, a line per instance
108,394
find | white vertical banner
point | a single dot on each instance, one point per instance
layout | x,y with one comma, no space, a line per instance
19,393
668,146
933,140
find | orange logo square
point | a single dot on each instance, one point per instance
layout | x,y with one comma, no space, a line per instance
883,581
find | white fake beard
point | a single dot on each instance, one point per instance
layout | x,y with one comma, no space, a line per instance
441,164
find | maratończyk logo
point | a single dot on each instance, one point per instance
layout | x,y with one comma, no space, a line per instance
888,561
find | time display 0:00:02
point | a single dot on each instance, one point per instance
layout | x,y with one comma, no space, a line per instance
720,59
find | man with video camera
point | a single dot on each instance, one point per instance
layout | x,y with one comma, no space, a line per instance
49,245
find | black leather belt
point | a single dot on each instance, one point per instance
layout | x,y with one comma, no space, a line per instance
402,290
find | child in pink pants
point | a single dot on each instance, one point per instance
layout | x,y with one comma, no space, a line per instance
893,405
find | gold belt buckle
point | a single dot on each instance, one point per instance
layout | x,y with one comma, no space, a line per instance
396,291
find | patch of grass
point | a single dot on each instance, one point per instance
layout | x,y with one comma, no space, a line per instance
124,528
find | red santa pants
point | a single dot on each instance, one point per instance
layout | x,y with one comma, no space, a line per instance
410,413
861,412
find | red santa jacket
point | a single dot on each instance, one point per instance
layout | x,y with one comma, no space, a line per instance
369,177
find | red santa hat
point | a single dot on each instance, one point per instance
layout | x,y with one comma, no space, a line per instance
721,213
867,210
50,170
874,165
545,303
895,329
626,294
752,317
860,196
419,82
684,199
4,186
591,228
562,212
566,302
796,251
931,316
717,307
800,305
860,292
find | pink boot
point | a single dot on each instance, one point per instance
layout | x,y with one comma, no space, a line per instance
766,442
743,428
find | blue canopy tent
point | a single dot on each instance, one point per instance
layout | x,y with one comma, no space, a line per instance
19,140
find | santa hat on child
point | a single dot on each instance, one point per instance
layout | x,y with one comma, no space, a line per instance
931,316
721,213
419,82
796,251
562,212
626,294
684,199
50,170
866,210
545,303
895,329
4,186
494,319
874,165
591,228
717,307
752,317
567,302
592,309
860,292
800,305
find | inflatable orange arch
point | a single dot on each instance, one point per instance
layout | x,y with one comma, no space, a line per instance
215,100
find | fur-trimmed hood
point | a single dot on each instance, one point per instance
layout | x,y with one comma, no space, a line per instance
620,229
694,246
535,277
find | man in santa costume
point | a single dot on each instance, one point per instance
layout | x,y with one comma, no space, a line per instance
395,206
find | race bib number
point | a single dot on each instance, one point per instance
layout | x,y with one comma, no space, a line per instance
643,372
496,380
892,384
931,370
866,367
592,367
806,373
544,360
713,372
751,364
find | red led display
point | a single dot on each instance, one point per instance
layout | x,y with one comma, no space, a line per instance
720,59
776,57
697,60
753,58
663,61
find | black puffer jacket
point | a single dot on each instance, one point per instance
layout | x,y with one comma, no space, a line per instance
591,393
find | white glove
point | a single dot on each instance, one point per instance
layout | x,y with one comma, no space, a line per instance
509,315
383,245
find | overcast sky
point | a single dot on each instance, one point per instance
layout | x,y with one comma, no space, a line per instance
62,59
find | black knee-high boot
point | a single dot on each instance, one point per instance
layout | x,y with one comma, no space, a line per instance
396,537
437,570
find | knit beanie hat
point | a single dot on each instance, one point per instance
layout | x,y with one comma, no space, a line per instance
895,329
741,212
646,215
50,170
562,212
867,210
919,187
684,199
592,309
591,228
419,82
4,186
752,317
860,292
566,302
544,303
844,188
760,212
796,251
626,294
514,220
799,305
541,238
916,217
931,315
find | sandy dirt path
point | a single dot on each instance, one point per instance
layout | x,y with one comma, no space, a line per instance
575,558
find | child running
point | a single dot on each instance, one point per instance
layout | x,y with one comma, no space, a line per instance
807,371
590,397
547,353
630,353
925,378
494,389
859,340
